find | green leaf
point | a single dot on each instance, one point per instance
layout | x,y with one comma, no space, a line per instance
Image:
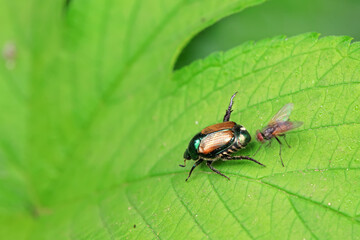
315,196
96,125
70,76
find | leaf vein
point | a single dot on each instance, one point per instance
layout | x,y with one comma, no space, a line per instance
103,222
132,204
188,211
229,210
301,219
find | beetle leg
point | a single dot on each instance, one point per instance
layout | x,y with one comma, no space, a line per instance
228,111
208,163
193,167
243,157
280,151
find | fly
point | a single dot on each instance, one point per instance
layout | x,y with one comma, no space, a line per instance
277,127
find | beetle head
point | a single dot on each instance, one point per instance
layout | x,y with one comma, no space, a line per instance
245,137
187,155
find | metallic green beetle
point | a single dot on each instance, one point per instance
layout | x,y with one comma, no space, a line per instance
217,142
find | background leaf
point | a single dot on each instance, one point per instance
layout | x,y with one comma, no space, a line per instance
275,17
94,132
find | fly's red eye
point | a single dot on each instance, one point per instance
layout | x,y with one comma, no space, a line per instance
259,137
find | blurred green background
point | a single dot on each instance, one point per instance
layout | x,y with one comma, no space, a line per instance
275,17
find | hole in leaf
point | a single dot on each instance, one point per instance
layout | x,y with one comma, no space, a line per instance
276,17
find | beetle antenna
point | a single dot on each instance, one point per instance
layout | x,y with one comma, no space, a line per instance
184,164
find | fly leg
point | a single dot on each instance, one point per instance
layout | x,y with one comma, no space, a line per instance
228,111
284,136
257,150
280,151
208,163
242,157
193,167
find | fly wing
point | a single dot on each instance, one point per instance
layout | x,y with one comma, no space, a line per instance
282,127
283,114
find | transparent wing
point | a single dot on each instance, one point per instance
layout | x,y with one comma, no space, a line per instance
282,127
296,124
283,114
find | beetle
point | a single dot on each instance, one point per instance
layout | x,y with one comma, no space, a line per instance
278,126
218,142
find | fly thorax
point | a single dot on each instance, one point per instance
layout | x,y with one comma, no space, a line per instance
268,133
